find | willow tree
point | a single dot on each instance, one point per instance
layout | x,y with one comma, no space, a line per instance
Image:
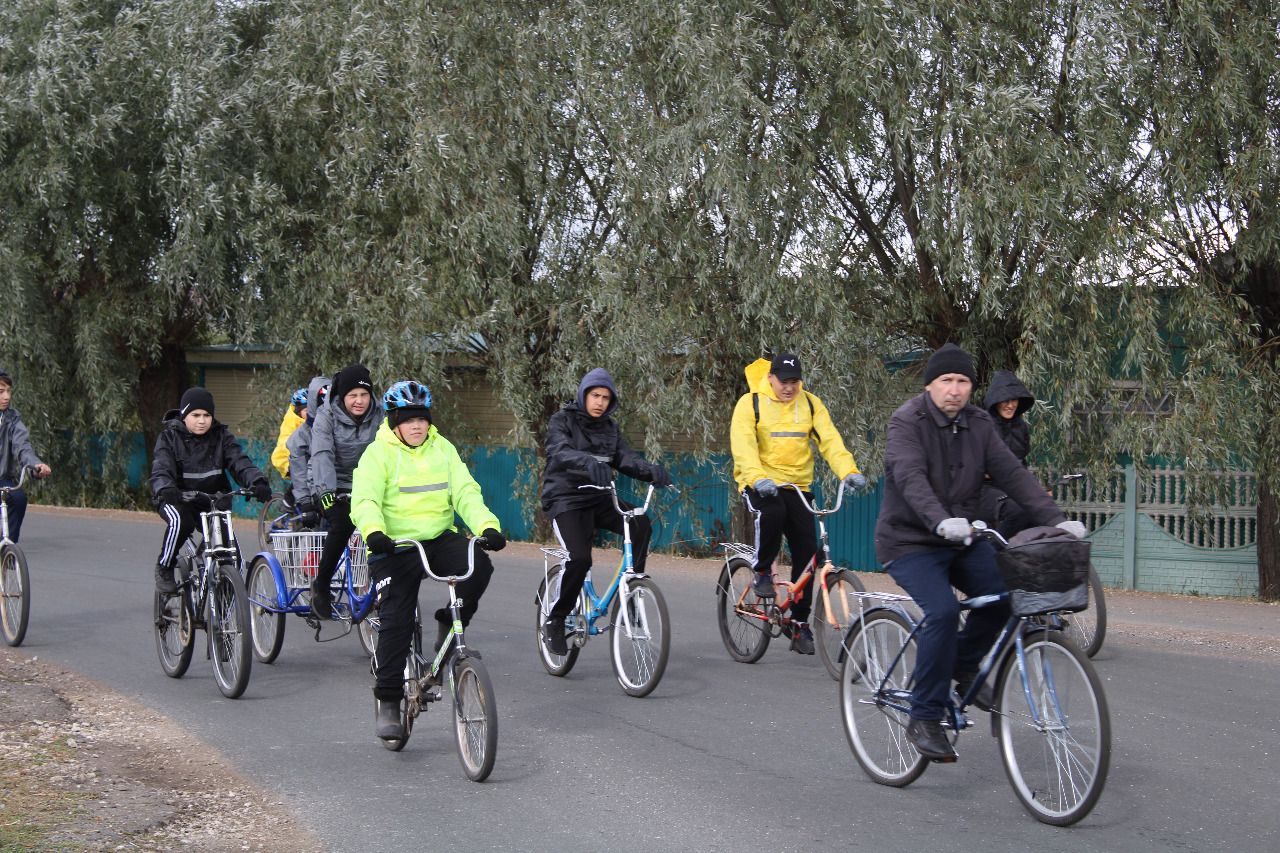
119,203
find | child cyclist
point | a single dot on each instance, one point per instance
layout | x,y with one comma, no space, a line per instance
299,445
191,455
294,416
16,453
409,484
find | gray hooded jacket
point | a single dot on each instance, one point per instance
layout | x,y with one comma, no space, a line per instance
337,442
16,451
299,444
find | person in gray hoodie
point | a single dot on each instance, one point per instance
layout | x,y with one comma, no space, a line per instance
584,447
299,446
343,428
16,453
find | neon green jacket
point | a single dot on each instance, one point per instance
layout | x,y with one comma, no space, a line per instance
776,446
414,492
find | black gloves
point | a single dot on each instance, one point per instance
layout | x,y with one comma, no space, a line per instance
492,540
380,543
600,473
330,506
170,495
200,500
661,479
261,491
308,504
223,502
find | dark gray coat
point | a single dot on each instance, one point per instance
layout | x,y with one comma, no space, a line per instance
16,451
337,442
934,470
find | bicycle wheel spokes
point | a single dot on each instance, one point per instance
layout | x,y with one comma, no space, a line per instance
641,637
15,594
875,689
266,620
833,613
175,636
1088,627
548,594
475,718
741,615
1054,730
229,632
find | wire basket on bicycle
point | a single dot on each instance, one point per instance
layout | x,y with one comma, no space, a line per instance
299,554
1046,570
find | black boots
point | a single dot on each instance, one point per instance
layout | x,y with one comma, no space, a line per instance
553,636
928,737
164,580
387,723
321,600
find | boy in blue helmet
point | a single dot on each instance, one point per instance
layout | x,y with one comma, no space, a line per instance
410,484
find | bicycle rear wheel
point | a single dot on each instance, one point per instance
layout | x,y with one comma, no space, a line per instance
273,517
1054,729
229,633
740,613
641,637
15,594
266,619
557,665
829,629
412,673
1088,628
875,696
475,718
175,632
367,632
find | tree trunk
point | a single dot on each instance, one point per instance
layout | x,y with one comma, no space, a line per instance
1268,541
160,385
1261,287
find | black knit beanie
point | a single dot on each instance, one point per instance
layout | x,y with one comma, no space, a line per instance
348,379
949,358
195,398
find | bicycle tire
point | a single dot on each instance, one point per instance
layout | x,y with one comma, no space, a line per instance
639,648
1057,755
1088,628
412,674
175,632
367,632
744,627
271,518
875,691
15,594
266,618
229,631
475,717
828,636
557,665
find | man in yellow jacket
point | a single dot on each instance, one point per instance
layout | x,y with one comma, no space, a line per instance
770,436
408,484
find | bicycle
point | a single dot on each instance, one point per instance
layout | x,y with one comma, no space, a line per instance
1050,714
280,516
15,583
475,709
640,639
279,583
748,622
211,596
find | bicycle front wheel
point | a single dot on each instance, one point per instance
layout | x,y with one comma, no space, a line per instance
475,718
641,637
740,613
367,631
15,594
833,613
273,518
1088,628
548,594
875,697
1054,729
266,619
175,633
229,631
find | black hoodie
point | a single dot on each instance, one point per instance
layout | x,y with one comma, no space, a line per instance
197,463
1015,432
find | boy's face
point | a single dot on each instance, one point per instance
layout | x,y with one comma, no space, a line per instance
6,394
597,401
413,431
784,389
1007,409
198,421
356,401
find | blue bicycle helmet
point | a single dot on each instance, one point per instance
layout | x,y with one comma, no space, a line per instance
299,397
406,399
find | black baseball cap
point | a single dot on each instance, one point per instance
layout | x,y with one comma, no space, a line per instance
785,366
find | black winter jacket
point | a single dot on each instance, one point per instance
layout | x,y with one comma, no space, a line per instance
934,470
1015,432
197,462
575,439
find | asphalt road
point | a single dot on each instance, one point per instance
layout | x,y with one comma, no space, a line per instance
722,756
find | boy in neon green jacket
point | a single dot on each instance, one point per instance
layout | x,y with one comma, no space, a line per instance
408,485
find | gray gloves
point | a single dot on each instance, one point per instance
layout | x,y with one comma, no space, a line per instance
1075,528
766,488
854,482
955,530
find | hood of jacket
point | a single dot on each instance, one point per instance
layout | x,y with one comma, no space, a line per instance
597,378
1006,386
313,394
757,373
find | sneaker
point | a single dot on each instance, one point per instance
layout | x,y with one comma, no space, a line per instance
930,740
164,580
553,636
387,723
321,601
802,638
762,585
985,698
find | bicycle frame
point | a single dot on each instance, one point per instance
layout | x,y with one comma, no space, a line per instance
456,638
4,506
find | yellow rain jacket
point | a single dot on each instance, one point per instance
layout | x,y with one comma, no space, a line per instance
775,445
280,456
413,492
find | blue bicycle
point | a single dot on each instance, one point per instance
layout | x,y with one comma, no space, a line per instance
638,622
279,582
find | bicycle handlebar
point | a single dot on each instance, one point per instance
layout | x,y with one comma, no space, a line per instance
799,491
22,478
612,489
426,565
981,530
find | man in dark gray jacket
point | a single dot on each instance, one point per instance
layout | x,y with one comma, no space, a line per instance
938,449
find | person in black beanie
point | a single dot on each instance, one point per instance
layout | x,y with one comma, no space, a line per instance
191,456
939,448
343,428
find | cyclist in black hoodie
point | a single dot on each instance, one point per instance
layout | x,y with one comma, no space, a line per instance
1007,401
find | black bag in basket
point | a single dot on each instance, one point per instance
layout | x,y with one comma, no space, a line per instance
1046,569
